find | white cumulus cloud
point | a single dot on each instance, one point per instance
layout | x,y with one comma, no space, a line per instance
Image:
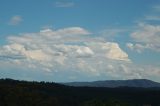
68,52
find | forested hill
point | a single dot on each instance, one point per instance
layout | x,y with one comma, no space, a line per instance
23,93
144,83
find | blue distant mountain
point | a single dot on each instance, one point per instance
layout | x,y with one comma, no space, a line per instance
144,83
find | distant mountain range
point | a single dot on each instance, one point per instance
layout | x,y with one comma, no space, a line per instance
144,83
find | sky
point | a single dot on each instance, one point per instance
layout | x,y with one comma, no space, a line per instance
80,40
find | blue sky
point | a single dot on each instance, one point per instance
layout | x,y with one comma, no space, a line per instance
80,40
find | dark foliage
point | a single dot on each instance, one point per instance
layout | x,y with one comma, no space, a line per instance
23,93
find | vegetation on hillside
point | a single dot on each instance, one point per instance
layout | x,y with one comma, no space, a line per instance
23,93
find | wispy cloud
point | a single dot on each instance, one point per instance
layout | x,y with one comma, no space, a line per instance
156,7
153,15
136,47
15,20
152,18
111,33
146,37
64,4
